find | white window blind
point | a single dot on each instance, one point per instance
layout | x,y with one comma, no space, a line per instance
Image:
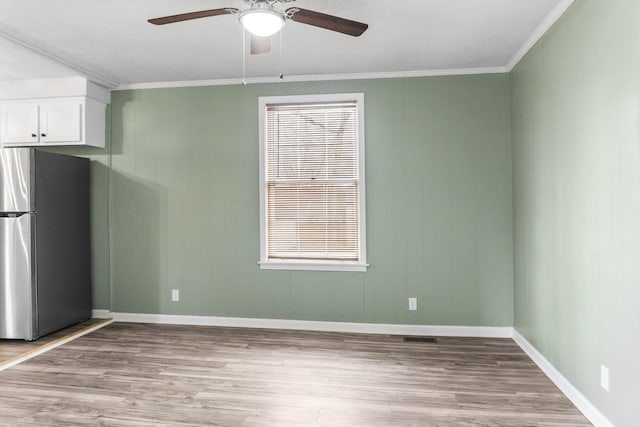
312,182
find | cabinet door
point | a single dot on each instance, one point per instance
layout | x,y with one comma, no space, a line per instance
19,123
60,121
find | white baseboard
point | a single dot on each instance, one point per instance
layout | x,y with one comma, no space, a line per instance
311,325
100,314
573,394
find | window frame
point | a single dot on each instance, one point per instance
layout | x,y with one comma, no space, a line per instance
313,265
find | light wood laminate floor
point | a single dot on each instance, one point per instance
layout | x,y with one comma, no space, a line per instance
161,375
10,349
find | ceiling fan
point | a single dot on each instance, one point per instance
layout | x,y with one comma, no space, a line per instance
262,19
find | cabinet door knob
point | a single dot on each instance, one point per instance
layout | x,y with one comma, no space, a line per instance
43,134
33,135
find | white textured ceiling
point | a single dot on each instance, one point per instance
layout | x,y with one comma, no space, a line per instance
111,40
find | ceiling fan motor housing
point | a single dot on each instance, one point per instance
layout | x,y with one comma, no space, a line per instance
261,19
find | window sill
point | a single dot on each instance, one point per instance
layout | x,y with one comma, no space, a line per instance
313,266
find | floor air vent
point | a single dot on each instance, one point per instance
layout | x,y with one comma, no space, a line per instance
430,340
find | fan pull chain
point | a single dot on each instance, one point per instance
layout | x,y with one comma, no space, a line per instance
244,57
281,75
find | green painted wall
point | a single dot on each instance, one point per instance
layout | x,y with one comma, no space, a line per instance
185,205
576,159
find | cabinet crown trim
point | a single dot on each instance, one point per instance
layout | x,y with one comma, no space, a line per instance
53,88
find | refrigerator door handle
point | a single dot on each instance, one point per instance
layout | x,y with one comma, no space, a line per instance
12,214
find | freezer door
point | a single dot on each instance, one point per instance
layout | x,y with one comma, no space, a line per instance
15,180
17,314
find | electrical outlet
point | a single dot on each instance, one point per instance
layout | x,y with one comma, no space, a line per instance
175,295
413,304
604,377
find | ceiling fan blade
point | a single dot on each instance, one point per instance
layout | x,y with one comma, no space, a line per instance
260,45
193,15
328,22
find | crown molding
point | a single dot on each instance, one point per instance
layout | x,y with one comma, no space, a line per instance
313,78
94,77
547,23
542,29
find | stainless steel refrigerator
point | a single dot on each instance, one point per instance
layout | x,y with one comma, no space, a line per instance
45,253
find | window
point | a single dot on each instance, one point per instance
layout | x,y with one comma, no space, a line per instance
312,182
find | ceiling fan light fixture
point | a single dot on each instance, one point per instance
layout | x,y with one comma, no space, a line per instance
262,21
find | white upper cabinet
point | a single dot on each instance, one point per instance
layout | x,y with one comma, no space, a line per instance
18,123
60,121
54,118
65,121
